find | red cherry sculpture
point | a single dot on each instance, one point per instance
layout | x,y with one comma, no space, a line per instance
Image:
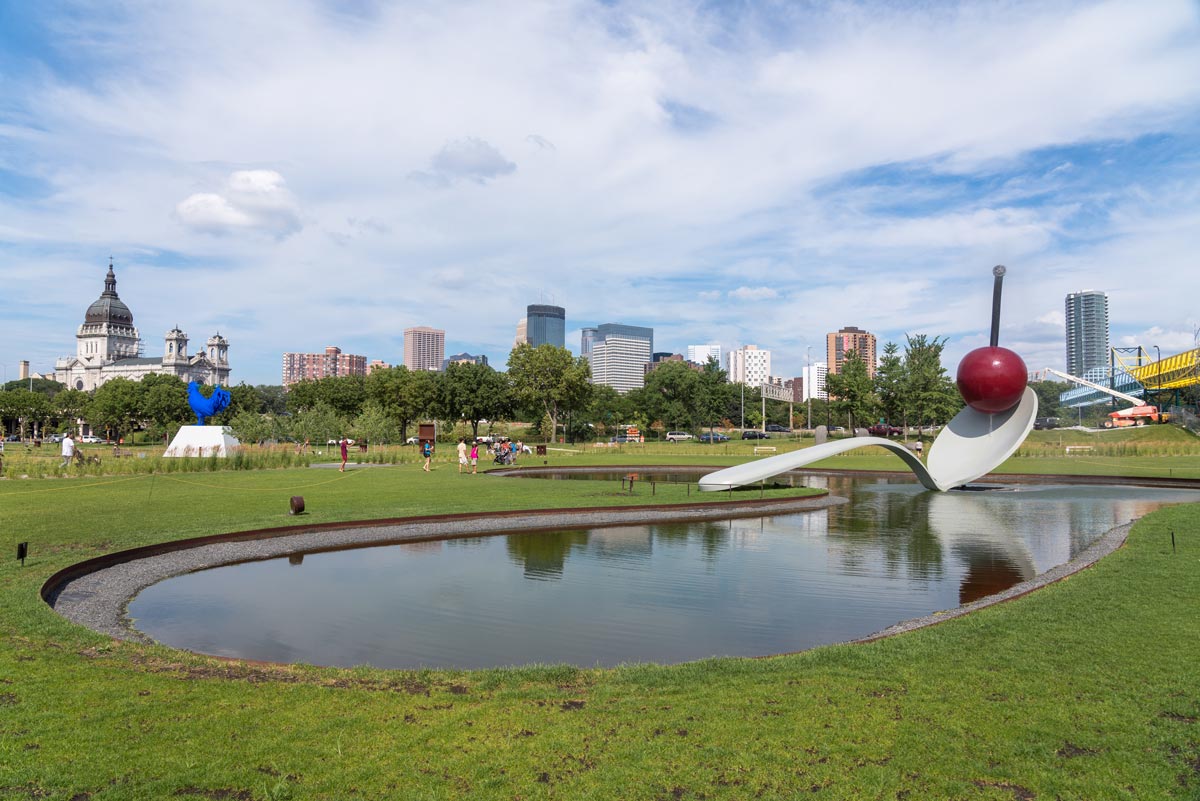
992,379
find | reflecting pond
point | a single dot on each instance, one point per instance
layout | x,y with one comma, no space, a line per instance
647,593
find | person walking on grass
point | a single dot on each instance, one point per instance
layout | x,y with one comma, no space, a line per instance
68,451
345,443
474,457
427,452
462,454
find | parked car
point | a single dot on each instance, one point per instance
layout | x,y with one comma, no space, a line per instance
1043,423
713,436
411,441
91,439
775,427
885,430
336,441
13,438
755,435
54,438
621,439
678,436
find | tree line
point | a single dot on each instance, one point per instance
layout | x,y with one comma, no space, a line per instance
545,386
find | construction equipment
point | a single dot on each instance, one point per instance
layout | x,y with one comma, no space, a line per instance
1139,414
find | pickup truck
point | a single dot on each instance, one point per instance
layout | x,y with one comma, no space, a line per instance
884,430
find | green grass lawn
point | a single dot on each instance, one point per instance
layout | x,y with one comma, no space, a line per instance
1087,689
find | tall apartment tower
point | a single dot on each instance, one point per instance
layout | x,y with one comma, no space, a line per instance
749,365
700,354
296,366
546,325
619,354
424,348
814,381
1087,331
850,338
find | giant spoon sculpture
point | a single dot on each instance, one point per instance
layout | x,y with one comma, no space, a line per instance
999,415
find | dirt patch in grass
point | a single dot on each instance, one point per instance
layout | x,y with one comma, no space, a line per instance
219,793
1020,793
1069,751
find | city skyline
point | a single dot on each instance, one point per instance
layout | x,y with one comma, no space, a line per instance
727,174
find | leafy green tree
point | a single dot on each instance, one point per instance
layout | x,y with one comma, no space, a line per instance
930,395
673,393
606,409
714,392
273,398
343,393
374,425
27,411
71,405
318,424
1047,394
393,390
852,392
116,407
40,386
889,384
475,392
251,426
550,379
163,405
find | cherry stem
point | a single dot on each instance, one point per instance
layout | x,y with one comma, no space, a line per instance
999,273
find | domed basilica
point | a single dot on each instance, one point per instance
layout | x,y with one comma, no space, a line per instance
108,346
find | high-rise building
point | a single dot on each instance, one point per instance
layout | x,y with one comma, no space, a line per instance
464,358
1087,331
749,365
315,366
586,337
424,348
814,381
546,325
521,337
618,354
850,338
701,353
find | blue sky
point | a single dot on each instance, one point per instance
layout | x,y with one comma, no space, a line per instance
303,174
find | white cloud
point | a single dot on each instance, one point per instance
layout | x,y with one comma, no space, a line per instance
753,293
252,200
465,160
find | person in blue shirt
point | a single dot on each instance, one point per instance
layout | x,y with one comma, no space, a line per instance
427,452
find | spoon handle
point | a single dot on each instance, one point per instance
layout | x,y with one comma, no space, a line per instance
999,272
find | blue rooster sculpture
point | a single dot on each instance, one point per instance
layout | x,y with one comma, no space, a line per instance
206,407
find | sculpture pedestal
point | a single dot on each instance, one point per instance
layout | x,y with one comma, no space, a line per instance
202,441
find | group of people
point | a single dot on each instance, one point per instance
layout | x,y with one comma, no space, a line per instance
463,457
506,453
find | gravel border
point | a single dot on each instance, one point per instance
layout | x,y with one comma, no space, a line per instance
96,593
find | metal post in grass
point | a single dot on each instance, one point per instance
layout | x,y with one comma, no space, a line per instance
23,550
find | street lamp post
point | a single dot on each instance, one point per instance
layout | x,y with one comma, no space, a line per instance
808,382
1157,377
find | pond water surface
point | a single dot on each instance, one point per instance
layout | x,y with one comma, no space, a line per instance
648,593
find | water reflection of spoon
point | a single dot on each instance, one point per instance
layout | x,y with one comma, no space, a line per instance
972,445
994,559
